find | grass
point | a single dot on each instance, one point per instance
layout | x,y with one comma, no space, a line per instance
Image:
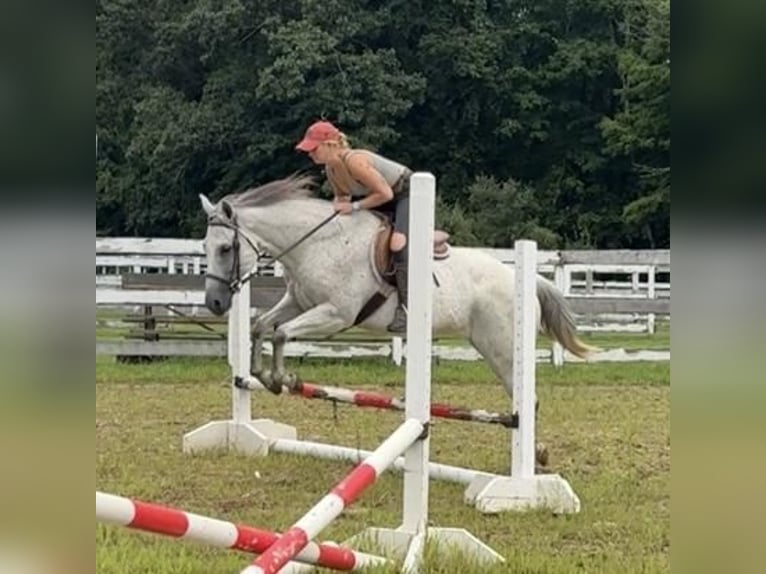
606,427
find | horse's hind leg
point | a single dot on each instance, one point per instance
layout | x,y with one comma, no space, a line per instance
323,318
497,349
492,336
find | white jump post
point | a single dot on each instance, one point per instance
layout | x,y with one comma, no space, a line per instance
240,433
410,538
397,350
523,489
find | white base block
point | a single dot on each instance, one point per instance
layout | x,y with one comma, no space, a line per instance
252,438
408,548
541,491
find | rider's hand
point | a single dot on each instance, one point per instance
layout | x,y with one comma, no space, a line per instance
342,206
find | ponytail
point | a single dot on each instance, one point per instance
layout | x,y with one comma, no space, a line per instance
343,141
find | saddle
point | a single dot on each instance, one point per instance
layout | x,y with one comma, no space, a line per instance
383,256
383,259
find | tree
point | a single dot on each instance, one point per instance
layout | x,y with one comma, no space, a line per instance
640,131
547,119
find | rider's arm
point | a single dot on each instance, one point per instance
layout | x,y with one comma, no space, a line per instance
361,169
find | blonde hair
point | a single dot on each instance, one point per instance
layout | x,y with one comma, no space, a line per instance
341,142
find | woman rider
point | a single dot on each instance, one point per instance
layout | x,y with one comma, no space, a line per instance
361,179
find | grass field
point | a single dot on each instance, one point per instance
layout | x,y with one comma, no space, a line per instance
606,427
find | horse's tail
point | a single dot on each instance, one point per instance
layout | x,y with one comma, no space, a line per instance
558,321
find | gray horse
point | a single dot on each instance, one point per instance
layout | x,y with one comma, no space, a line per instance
331,275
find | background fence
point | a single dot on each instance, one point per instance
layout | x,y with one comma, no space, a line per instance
157,286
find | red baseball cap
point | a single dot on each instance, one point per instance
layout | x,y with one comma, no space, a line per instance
317,133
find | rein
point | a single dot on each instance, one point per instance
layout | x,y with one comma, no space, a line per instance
235,282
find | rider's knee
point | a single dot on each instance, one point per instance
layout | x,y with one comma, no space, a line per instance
398,241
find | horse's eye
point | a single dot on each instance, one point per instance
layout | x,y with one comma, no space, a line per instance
226,248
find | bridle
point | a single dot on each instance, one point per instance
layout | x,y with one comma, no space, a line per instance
235,281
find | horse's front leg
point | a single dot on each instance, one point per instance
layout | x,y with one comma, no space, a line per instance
286,309
257,336
324,318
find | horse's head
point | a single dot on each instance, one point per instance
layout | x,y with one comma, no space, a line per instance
271,218
225,255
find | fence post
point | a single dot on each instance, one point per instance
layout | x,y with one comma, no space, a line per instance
557,350
397,350
652,294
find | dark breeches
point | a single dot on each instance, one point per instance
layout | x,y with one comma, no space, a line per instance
398,210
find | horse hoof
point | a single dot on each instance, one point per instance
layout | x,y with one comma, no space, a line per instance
286,379
268,380
290,380
541,454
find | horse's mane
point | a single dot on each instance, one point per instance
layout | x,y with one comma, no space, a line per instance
292,187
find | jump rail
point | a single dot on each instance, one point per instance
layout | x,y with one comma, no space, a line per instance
436,471
169,521
292,542
371,399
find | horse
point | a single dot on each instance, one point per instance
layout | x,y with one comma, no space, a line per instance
331,274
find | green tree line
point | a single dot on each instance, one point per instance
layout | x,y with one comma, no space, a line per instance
544,119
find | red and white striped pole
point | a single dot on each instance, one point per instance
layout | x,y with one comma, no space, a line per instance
375,400
381,401
330,507
178,523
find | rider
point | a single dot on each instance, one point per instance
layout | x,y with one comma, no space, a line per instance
361,179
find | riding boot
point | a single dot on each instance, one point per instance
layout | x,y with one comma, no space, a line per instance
399,322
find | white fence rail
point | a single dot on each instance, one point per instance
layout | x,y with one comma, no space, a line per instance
581,271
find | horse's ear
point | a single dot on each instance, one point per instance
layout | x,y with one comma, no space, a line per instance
207,205
228,210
